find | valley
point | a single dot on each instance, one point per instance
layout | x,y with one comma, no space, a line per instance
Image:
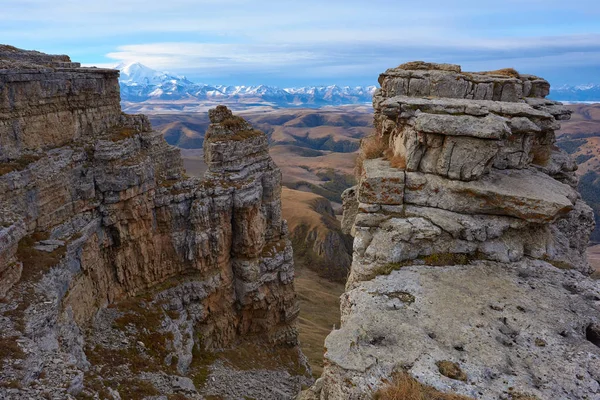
580,137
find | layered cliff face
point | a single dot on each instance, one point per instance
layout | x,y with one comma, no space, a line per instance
120,275
469,268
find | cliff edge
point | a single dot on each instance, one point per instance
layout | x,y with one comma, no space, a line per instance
469,269
120,277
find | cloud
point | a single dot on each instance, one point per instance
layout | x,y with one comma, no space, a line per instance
332,40
349,58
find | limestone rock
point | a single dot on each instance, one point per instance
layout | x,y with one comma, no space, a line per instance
489,127
491,319
470,271
380,183
525,194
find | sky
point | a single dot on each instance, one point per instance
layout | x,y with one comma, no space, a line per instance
295,43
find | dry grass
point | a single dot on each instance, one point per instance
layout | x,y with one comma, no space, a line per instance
122,133
371,147
511,72
236,137
36,262
396,160
451,370
17,165
251,355
405,387
10,349
136,389
235,123
319,312
541,155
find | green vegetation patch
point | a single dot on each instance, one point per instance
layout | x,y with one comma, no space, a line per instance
436,260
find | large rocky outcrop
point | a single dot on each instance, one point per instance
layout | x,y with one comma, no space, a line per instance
118,273
469,246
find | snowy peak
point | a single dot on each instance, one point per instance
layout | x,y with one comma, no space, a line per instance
137,73
585,93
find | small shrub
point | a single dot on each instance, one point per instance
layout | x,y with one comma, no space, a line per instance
11,385
405,387
371,147
521,396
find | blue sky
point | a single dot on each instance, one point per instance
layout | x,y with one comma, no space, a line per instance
293,43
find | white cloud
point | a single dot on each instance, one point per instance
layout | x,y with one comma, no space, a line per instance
312,38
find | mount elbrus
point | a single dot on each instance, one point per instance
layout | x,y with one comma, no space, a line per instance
120,276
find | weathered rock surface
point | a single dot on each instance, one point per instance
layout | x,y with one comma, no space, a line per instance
95,211
471,253
512,328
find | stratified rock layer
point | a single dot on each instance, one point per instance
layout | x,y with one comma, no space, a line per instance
96,210
459,227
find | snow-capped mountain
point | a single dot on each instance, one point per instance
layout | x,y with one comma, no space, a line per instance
140,83
585,93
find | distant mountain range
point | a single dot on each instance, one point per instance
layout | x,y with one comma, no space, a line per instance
579,93
140,83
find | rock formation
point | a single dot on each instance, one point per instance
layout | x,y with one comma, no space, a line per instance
120,276
469,246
